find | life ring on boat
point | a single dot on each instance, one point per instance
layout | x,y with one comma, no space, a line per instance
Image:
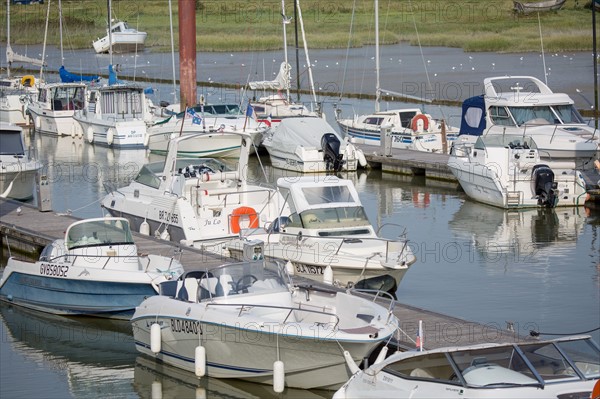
110,136
90,134
414,123
243,211
28,80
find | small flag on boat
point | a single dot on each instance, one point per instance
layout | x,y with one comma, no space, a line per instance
268,121
250,112
196,119
419,340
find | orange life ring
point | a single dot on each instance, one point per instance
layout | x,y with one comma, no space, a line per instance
243,211
414,122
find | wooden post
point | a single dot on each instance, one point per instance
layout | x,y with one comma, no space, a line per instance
444,140
187,53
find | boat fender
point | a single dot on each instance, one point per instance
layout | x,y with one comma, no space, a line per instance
414,123
382,354
90,134
200,361
351,363
165,235
155,338
237,214
110,136
157,389
362,160
146,139
278,376
28,80
37,122
79,131
73,134
145,228
289,267
328,275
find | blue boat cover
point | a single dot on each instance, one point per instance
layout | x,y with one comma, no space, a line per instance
68,77
472,121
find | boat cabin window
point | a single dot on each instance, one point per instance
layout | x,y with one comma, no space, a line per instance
11,143
122,102
327,218
373,120
406,118
99,232
434,366
148,177
500,116
541,115
67,98
568,114
327,194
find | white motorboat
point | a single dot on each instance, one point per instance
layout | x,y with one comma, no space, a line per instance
18,168
94,271
327,227
53,111
311,145
218,119
560,368
525,106
507,171
115,115
245,321
409,129
124,39
196,199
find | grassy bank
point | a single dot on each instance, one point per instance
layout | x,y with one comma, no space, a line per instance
226,25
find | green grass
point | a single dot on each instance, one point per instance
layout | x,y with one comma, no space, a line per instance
226,25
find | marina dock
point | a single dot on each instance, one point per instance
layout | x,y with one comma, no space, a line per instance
27,230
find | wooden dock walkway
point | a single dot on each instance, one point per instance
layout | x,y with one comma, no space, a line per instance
30,230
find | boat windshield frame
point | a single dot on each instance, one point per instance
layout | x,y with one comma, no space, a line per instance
98,232
513,141
333,218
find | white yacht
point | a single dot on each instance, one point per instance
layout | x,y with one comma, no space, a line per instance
327,232
124,39
311,145
507,171
18,168
53,111
196,199
523,105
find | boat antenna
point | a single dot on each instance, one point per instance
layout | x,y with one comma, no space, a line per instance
543,55
377,84
595,65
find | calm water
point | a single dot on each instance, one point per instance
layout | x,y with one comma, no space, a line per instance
538,269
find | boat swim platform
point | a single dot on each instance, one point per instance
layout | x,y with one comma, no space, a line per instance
27,231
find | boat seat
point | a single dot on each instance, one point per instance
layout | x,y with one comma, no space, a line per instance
188,290
421,373
168,288
208,287
226,285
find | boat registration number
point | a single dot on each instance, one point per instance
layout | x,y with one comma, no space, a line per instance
168,216
308,269
47,269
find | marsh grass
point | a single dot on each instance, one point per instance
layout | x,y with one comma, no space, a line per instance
225,25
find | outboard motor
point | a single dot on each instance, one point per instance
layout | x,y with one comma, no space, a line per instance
544,186
331,152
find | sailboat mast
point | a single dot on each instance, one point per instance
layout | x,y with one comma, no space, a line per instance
173,53
377,84
60,21
8,60
311,82
110,53
45,40
284,22
297,52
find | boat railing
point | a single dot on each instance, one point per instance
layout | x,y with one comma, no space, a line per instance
377,295
244,307
66,257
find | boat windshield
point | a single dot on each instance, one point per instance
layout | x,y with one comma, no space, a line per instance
148,174
99,232
546,115
340,217
11,143
241,278
505,141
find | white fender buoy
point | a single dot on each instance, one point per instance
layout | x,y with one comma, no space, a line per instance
382,354
362,160
200,393
351,363
146,139
37,122
155,338
165,235
78,130
289,267
278,376
200,361
145,228
110,136
90,134
73,131
156,390
328,275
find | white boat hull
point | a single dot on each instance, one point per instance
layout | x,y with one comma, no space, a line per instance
218,145
122,42
121,134
17,181
13,109
309,161
57,123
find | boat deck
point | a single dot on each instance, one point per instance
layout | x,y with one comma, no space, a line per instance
29,230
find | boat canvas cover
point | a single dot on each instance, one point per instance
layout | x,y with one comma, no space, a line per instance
281,82
473,116
319,192
68,77
304,131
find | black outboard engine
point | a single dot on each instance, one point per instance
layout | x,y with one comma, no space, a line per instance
544,186
331,152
